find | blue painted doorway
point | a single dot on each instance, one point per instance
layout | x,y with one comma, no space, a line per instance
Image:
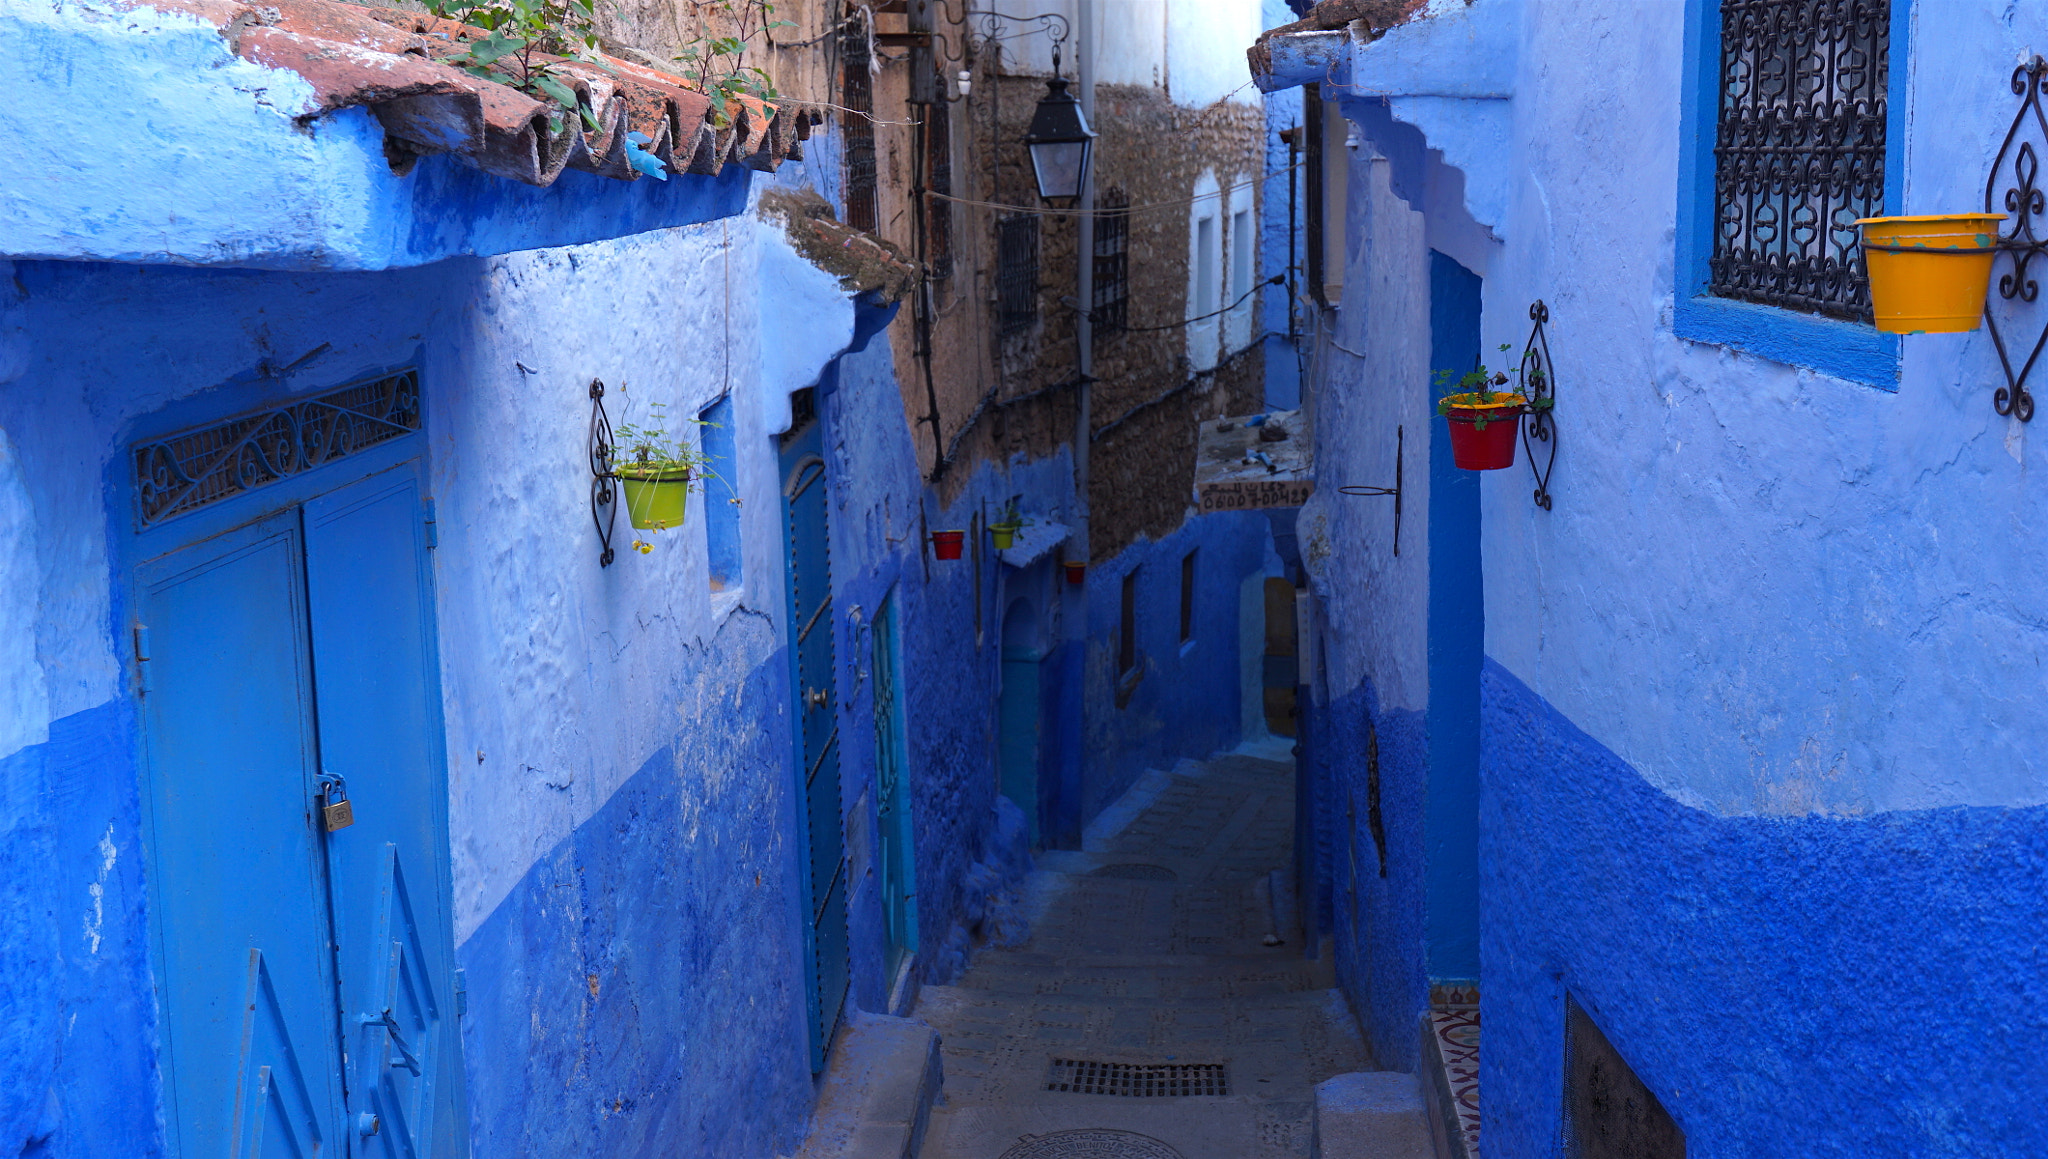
814,692
895,846
305,974
1017,713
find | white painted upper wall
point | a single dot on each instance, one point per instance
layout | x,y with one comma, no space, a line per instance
1192,48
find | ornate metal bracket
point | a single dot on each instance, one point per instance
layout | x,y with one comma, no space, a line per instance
1539,385
2025,204
604,510
1400,437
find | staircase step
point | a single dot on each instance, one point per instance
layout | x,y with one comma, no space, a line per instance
1371,1115
883,1077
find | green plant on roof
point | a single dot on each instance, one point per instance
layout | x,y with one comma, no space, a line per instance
523,38
718,62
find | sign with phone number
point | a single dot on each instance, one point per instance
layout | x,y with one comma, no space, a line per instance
1249,494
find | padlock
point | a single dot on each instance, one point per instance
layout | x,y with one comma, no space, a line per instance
335,810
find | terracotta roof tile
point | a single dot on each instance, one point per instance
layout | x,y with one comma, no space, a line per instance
392,62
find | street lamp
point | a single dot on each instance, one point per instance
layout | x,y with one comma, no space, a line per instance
1060,142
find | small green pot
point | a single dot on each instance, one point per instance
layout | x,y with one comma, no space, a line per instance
657,498
1005,534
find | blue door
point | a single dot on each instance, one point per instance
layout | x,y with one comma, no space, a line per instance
1017,712
895,847
305,973
815,696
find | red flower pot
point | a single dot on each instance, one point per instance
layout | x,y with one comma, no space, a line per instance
1076,572
946,544
1487,447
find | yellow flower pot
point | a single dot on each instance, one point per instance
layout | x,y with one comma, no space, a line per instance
657,498
1929,274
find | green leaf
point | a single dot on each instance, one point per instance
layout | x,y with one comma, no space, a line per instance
562,94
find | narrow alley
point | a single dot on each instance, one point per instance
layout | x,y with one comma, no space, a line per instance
1022,579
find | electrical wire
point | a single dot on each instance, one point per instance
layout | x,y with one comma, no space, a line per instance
1275,280
1179,204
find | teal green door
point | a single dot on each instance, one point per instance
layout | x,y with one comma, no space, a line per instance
894,848
814,694
305,975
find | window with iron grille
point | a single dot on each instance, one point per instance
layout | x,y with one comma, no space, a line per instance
857,94
938,152
1016,272
1799,151
1112,305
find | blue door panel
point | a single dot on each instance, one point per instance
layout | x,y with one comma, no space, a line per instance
374,679
895,850
245,982
1017,731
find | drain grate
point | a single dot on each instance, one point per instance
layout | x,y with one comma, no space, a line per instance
1168,1080
1137,872
1091,1143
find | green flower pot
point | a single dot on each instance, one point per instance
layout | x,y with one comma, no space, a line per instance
1005,534
657,497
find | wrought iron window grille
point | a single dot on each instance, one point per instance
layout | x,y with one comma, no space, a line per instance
191,469
1111,309
1799,151
857,95
2017,168
1016,273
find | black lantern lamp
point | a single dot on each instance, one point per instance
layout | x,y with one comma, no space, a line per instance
1060,142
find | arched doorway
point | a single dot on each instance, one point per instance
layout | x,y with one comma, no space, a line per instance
1018,712
1281,667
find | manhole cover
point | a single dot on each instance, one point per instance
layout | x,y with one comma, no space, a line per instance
1091,1143
1137,872
1165,1080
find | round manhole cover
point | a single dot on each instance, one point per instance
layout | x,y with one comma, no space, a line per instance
1091,1143
1137,872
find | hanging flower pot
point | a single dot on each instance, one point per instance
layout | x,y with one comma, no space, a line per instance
1005,534
657,494
1077,570
1484,426
1929,274
947,544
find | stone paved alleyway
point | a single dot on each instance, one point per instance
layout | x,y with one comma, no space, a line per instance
1148,948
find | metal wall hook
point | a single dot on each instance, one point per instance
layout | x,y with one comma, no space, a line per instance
1400,438
604,510
2026,205
1539,386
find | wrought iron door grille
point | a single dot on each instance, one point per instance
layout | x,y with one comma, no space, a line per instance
1799,151
1137,1080
938,147
1017,272
191,469
1112,305
857,94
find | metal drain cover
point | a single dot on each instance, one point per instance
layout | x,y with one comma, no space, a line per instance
1091,1143
1137,872
1164,1080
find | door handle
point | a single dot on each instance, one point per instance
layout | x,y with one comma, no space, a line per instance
815,698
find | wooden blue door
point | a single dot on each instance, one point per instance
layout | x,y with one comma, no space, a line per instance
895,848
374,684
815,696
305,974
249,1034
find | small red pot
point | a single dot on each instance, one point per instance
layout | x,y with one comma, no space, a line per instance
946,544
1491,449
1076,572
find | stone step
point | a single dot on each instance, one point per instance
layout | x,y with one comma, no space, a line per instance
1371,1115
1192,977
876,1103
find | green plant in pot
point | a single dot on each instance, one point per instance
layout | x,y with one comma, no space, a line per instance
657,471
1484,421
1004,530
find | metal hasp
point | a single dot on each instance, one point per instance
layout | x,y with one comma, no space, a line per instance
1539,386
604,510
2025,203
1400,437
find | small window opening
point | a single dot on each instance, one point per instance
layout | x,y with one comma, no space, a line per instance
1206,284
1017,272
1112,305
857,95
1127,625
1187,597
721,495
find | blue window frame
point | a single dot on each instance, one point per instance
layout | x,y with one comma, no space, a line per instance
1846,349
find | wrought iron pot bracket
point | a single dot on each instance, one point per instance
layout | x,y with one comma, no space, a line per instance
2026,205
1539,386
604,511
1400,438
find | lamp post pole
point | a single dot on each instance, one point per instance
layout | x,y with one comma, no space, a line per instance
1084,290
